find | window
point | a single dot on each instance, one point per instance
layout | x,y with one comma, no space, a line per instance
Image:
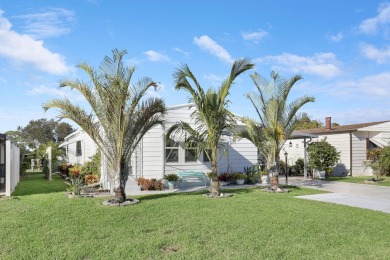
78,148
171,151
190,154
205,157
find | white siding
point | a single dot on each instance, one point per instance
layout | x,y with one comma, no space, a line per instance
12,166
152,158
242,154
88,148
359,150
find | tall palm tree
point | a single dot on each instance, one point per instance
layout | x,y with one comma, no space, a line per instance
278,119
120,116
211,116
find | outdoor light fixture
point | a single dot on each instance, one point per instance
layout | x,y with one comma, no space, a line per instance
290,144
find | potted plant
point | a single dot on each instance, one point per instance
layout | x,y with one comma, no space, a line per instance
240,178
264,177
223,179
322,158
171,178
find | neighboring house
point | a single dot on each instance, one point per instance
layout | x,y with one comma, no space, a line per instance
9,165
352,141
79,147
154,157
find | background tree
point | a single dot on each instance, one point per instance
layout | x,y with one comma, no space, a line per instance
305,122
278,118
211,116
42,131
120,116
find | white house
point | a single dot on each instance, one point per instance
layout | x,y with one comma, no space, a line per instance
79,147
155,157
352,141
9,165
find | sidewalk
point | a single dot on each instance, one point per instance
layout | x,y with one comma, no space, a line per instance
351,194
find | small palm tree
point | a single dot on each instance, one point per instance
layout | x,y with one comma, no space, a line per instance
254,133
211,116
278,119
119,117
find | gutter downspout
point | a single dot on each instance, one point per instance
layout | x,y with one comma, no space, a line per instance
350,153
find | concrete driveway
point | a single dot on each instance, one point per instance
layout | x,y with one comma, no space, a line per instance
356,195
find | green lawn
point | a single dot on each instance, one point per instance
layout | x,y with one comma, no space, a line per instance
250,225
34,183
385,180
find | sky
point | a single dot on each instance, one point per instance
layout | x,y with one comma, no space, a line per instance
340,48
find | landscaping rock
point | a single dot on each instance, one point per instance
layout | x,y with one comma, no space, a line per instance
220,196
276,190
114,202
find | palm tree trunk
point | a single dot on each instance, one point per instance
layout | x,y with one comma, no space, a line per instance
120,194
214,174
275,176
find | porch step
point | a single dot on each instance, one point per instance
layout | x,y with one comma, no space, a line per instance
132,185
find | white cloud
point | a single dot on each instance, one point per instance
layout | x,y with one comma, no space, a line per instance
22,48
372,53
156,56
43,90
254,36
336,38
181,51
51,23
370,26
206,43
375,85
320,64
56,91
156,93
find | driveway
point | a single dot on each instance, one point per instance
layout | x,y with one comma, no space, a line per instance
356,195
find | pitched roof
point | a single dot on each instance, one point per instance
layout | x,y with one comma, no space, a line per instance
340,129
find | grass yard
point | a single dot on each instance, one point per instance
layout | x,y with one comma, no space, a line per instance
385,180
250,225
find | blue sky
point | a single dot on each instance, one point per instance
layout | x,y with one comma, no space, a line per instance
341,48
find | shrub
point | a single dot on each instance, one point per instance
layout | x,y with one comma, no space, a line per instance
93,166
299,165
171,177
74,172
63,168
150,184
379,160
252,175
384,159
239,176
322,156
91,178
224,177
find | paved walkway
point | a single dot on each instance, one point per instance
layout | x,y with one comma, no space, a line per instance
351,194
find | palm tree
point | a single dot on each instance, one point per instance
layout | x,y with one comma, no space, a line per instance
120,116
278,119
211,116
254,133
